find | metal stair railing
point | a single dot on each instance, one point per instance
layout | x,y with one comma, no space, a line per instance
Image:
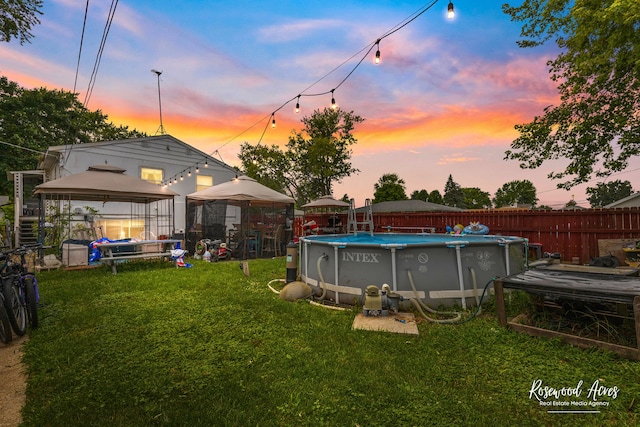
367,222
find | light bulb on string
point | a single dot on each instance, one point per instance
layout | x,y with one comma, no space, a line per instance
333,101
197,168
181,177
298,104
450,12
377,60
273,121
175,180
206,163
189,174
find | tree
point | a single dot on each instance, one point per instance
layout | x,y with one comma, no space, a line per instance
436,197
516,192
31,120
388,188
571,204
420,195
453,195
474,198
17,17
596,124
267,165
314,159
604,193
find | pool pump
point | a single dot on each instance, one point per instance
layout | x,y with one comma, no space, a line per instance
379,302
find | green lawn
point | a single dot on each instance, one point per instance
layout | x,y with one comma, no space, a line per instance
209,346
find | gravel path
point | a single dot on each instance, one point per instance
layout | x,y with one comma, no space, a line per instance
13,380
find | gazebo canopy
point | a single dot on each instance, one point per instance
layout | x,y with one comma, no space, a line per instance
104,183
326,202
242,189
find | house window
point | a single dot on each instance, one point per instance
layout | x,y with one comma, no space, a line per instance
115,229
151,175
203,181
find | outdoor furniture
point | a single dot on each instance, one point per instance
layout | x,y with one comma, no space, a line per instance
594,288
271,240
112,252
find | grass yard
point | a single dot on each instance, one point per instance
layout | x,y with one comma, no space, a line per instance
156,345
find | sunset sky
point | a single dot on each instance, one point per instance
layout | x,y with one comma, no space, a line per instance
444,99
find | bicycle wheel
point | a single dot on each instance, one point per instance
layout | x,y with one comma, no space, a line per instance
5,326
15,309
31,300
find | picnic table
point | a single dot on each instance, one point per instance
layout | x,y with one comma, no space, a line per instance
588,287
111,252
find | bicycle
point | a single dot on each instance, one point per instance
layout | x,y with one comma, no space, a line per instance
20,290
5,325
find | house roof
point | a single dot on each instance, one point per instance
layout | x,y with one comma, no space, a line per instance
409,206
53,154
628,202
104,183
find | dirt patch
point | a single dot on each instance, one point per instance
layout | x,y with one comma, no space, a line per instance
12,392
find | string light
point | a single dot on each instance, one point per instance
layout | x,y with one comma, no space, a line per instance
189,174
181,177
334,106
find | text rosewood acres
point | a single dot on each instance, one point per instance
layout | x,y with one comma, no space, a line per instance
543,392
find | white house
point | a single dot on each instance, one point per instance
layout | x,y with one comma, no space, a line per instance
632,201
158,159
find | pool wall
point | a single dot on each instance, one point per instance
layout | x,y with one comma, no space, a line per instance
443,268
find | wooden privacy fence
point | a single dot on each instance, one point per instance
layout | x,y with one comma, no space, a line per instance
575,234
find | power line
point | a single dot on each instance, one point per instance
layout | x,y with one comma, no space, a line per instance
96,65
84,25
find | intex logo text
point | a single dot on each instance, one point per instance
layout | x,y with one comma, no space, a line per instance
360,257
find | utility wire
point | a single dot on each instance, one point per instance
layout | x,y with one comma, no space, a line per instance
84,25
22,148
96,65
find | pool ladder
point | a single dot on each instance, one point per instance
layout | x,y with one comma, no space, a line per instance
353,223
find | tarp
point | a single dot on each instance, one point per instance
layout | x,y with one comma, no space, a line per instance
104,183
242,189
326,202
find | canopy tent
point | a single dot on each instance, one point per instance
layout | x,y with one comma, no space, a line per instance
327,207
105,183
241,189
238,212
326,202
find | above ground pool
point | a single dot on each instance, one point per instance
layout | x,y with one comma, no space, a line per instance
441,269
